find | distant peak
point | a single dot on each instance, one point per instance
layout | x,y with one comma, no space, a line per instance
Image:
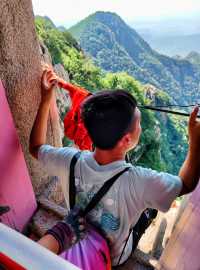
107,13
61,28
98,15
193,54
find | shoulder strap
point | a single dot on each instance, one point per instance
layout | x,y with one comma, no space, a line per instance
131,230
72,187
102,191
97,197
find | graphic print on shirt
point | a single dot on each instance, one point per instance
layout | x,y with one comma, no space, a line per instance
99,216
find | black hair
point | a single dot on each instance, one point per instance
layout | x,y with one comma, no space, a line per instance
108,116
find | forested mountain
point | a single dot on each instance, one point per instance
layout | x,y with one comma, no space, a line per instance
163,141
116,47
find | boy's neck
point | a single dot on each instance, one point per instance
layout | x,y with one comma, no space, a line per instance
104,157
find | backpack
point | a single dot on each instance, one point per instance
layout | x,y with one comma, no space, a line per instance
92,252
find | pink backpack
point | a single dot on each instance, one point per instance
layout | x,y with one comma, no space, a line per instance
92,252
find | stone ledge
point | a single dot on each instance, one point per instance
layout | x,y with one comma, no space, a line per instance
145,259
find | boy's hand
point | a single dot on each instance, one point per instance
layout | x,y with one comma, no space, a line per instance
194,130
48,83
61,82
76,223
190,170
65,233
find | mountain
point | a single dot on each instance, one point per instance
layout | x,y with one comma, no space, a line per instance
177,35
160,131
117,47
174,44
47,32
194,58
179,25
62,28
48,22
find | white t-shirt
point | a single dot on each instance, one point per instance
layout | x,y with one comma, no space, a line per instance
119,210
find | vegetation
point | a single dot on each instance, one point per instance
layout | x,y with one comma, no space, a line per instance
116,47
163,141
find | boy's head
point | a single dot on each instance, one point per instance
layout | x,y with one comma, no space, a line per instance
109,116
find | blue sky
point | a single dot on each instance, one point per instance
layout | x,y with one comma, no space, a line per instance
64,12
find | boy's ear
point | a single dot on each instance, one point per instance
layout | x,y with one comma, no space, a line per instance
125,140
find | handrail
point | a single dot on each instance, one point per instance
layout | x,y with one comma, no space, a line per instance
156,108
28,253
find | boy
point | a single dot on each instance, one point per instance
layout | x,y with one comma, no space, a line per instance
112,120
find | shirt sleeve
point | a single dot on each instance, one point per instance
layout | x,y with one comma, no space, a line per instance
56,162
157,190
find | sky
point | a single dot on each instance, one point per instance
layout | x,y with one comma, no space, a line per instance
67,13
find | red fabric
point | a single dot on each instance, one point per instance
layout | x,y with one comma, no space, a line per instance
9,264
73,124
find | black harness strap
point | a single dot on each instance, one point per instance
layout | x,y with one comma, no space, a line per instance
72,187
97,197
102,191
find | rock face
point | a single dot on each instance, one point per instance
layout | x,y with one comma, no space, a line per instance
62,98
20,71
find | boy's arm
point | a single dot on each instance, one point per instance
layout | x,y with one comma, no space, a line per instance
65,233
39,130
157,189
190,170
49,242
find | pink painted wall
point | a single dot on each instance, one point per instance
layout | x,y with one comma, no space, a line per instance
183,249
15,185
